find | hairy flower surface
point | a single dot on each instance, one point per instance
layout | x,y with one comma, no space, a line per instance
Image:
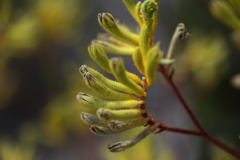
126,106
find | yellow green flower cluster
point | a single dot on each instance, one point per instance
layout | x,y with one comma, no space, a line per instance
125,107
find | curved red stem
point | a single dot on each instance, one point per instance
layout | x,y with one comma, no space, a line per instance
202,132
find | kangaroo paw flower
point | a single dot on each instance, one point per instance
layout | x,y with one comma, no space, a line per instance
118,69
108,23
122,145
92,119
104,91
95,103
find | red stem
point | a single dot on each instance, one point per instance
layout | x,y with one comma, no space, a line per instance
222,145
185,105
202,132
180,130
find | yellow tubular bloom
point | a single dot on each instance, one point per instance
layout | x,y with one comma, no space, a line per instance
145,34
153,58
108,23
138,60
118,69
98,55
107,82
126,106
138,13
107,114
115,49
104,91
95,103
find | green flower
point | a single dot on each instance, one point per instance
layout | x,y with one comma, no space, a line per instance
125,107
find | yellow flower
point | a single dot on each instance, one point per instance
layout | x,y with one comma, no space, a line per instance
125,107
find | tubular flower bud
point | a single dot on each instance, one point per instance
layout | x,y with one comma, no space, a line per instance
118,69
107,114
126,106
148,8
95,103
138,60
179,34
153,58
103,130
99,56
92,119
107,82
108,23
104,91
121,146
224,12
138,13
114,49
127,124
119,126
155,18
108,38
145,34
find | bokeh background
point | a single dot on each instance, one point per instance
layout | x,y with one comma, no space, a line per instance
44,42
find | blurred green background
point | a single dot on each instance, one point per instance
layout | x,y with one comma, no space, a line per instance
44,42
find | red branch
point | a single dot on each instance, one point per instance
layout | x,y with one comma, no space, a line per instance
179,130
202,132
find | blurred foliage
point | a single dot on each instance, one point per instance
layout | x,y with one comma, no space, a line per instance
236,81
36,39
32,31
19,151
202,59
228,12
